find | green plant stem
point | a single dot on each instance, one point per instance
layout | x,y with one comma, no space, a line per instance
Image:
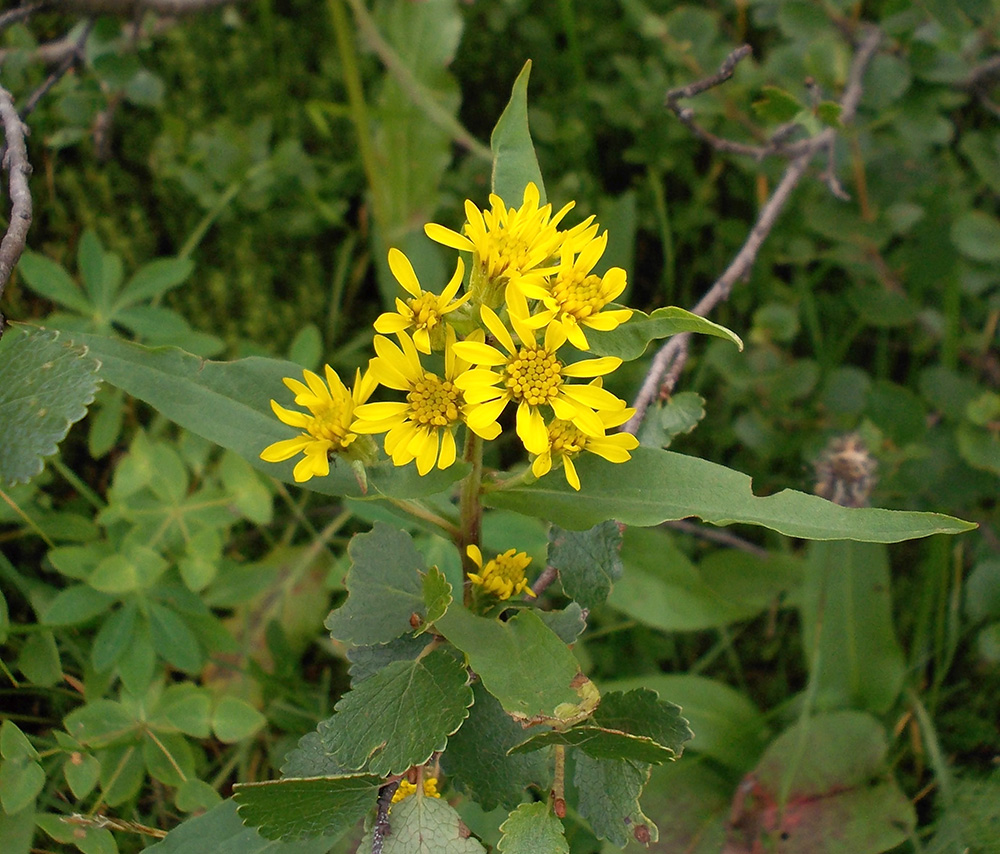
230,193
655,179
470,510
74,480
356,101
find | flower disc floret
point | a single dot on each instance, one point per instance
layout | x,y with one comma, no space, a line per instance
327,429
503,576
574,297
507,244
422,427
566,441
532,375
424,312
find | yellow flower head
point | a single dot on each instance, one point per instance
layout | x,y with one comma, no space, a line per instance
574,297
566,441
327,427
424,312
422,427
532,375
506,244
504,575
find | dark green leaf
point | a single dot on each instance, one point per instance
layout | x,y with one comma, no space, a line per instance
81,771
400,716
514,161
977,236
20,782
477,760
664,421
368,660
656,486
829,112
533,829
310,758
45,386
384,588
521,662
114,637
629,341
589,562
297,809
221,831
608,797
600,744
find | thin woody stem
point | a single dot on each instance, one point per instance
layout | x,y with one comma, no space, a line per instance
470,509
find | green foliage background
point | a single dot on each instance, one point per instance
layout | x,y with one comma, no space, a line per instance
163,603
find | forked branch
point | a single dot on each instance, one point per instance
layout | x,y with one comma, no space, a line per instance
669,361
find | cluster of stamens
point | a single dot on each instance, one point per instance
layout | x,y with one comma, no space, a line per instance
566,438
425,311
329,423
434,402
534,376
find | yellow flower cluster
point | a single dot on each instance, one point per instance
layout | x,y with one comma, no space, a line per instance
503,576
406,788
531,291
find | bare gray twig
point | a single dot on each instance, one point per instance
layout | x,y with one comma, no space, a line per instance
668,362
15,161
547,576
21,13
131,8
717,535
73,57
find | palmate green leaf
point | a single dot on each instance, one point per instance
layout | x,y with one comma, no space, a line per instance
46,384
422,825
533,829
229,403
608,797
477,761
295,809
629,341
522,663
48,279
154,279
384,588
400,716
589,562
514,160
656,486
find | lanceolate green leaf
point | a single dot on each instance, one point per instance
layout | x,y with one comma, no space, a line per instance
401,715
295,808
514,161
384,588
229,403
629,341
656,486
46,384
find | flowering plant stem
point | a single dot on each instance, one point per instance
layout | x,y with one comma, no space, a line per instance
470,510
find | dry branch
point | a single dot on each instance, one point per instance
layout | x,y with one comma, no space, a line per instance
15,162
669,361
